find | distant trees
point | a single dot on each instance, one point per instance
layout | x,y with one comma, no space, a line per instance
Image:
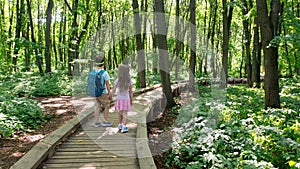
43,36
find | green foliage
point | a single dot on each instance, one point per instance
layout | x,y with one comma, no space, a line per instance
153,78
31,84
19,115
239,133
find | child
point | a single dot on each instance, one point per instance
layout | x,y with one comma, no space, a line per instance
123,85
104,99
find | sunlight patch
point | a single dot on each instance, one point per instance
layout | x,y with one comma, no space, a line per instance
17,154
32,138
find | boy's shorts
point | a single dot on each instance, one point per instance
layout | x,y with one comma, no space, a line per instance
104,100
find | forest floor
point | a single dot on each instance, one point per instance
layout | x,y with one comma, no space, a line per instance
160,137
12,149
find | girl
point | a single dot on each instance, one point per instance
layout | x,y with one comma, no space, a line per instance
123,85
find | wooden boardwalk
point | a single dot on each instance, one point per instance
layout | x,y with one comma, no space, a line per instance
78,144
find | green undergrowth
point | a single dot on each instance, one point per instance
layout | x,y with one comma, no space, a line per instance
19,113
235,131
33,85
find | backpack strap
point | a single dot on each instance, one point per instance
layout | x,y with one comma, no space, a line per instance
101,72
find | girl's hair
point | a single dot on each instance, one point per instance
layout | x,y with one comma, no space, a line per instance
124,78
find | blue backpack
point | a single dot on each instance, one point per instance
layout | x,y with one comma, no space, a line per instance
95,83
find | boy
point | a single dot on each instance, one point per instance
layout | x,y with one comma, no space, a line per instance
104,99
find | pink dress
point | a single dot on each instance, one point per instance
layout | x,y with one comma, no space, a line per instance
122,99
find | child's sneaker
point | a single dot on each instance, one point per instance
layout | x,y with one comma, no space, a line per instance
120,126
106,124
124,129
97,125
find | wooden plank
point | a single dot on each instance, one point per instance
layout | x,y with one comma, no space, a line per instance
95,137
103,142
109,148
94,160
104,153
100,145
93,164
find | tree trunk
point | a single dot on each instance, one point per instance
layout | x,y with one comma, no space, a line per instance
47,36
75,37
37,58
139,45
177,34
19,12
212,39
297,59
9,45
255,56
193,44
269,27
3,37
144,41
155,55
227,16
163,52
242,62
54,41
39,33
204,39
247,36
27,48
73,42
113,37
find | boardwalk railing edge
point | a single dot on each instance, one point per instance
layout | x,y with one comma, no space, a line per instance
144,154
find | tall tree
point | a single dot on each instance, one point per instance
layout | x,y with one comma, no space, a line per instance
139,45
178,43
256,56
227,17
9,45
20,12
76,37
212,30
192,43
61,37
163,51
269,24
37,57
247,36
297,59
47,36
